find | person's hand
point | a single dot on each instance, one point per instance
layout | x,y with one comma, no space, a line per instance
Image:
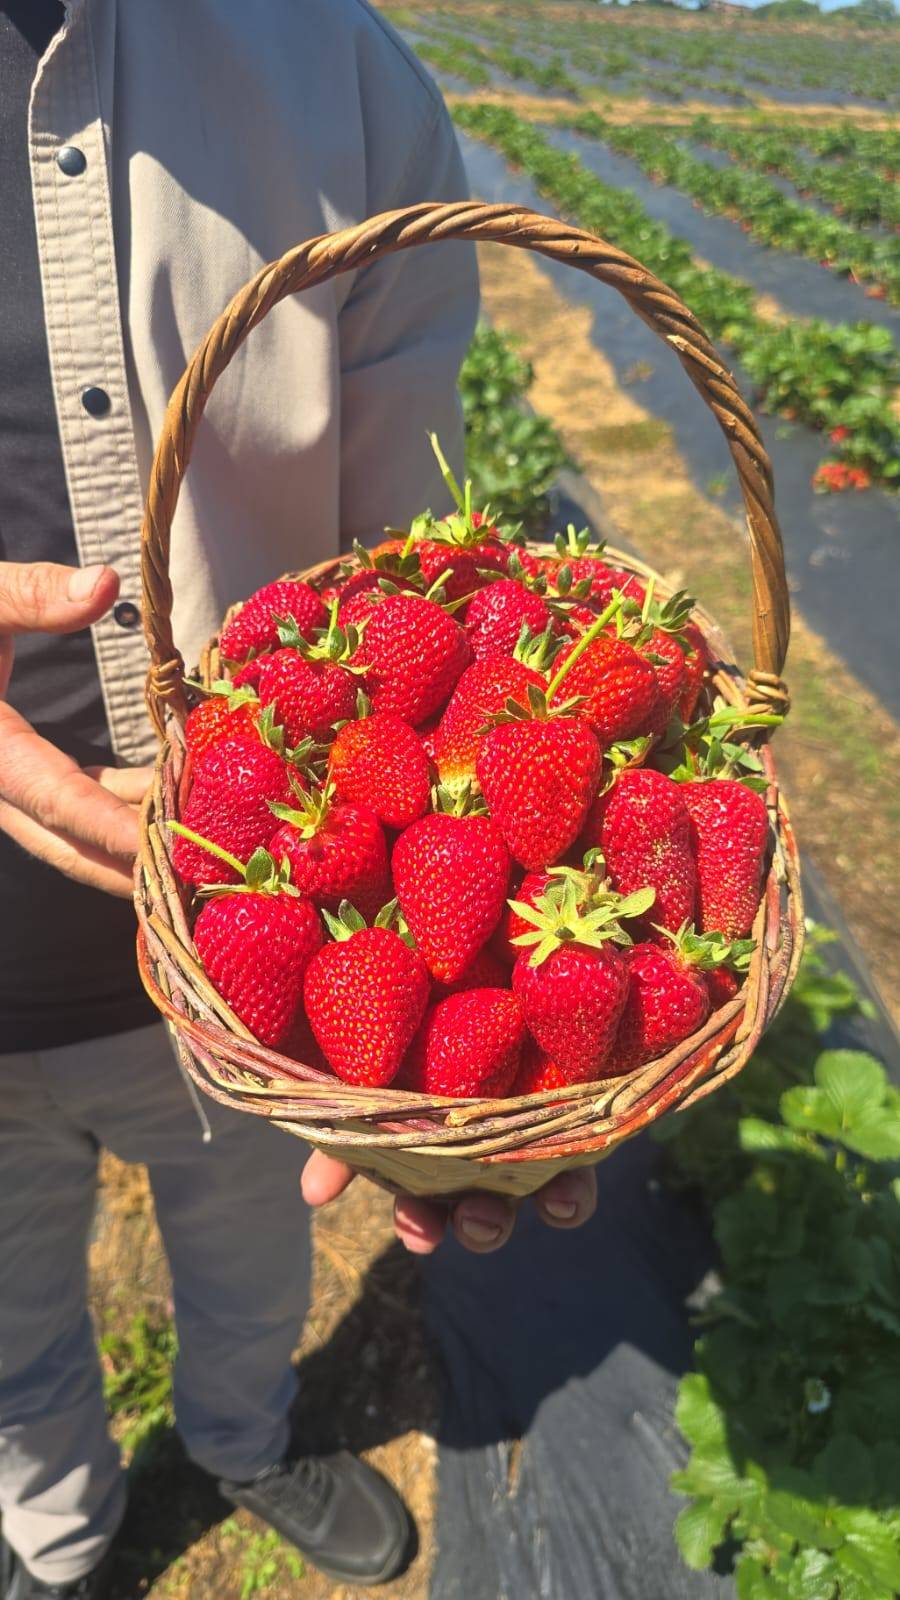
82,821
480,1221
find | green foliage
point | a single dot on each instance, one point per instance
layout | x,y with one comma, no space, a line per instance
793,1414
769,215
265,1558
855,187
512,456
829,376
137,1381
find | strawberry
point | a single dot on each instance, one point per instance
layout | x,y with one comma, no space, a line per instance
234,782
668,1000
255,627
497,613
537,1072
481,692
696,665
729,835
667,659
216,719
306,697
450,875
483,972
413,652
454,567
469,1045
723,985
336,851
539,773
618,686
365,995
570,980
256,943
379,761
642,826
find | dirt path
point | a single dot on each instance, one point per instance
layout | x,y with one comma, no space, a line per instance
627,109
838,752
368,1381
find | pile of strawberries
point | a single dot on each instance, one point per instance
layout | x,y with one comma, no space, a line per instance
467,821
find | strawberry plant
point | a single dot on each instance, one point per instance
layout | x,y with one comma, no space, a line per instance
793,1413
822,374
513,456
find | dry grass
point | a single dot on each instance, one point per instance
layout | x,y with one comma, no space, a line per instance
368,1382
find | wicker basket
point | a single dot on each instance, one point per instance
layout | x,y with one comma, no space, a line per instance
429,1145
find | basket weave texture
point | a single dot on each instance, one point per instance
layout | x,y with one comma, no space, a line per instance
425,1144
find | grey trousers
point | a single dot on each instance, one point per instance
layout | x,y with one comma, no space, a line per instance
236,1234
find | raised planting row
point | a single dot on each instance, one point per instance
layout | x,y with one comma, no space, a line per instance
512,456
758,204
845,63
837,378
854,188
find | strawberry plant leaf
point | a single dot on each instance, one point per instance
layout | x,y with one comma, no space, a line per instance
846,1468
696,1413
699,1529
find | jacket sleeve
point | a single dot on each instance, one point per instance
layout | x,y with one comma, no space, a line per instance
404,331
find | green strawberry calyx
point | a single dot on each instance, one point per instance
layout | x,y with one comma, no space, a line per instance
392,563
537,650
536,709
261,874
460,527
311,811
575,544
224,689
708,950
350,921
464,800
710,752
561,916
333,643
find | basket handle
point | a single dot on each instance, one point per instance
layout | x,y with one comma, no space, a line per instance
320,259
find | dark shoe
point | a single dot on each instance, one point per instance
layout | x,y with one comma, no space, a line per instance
344,1517
16,1583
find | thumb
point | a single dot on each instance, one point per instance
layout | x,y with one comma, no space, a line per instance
41,597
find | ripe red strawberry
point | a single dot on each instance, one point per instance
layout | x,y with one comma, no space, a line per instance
483,972
255,945
247,677
336,851
449,562
215,719
729,834
367,582
538,775
481,692
254,627
618,686
723,985
591,570
630,585
571,981
365,995
468,1045
572,1004
696,666
414,652
668,1000
450,875
307,697
234,782
379,762
642,826
671,675
496,614
537,1072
